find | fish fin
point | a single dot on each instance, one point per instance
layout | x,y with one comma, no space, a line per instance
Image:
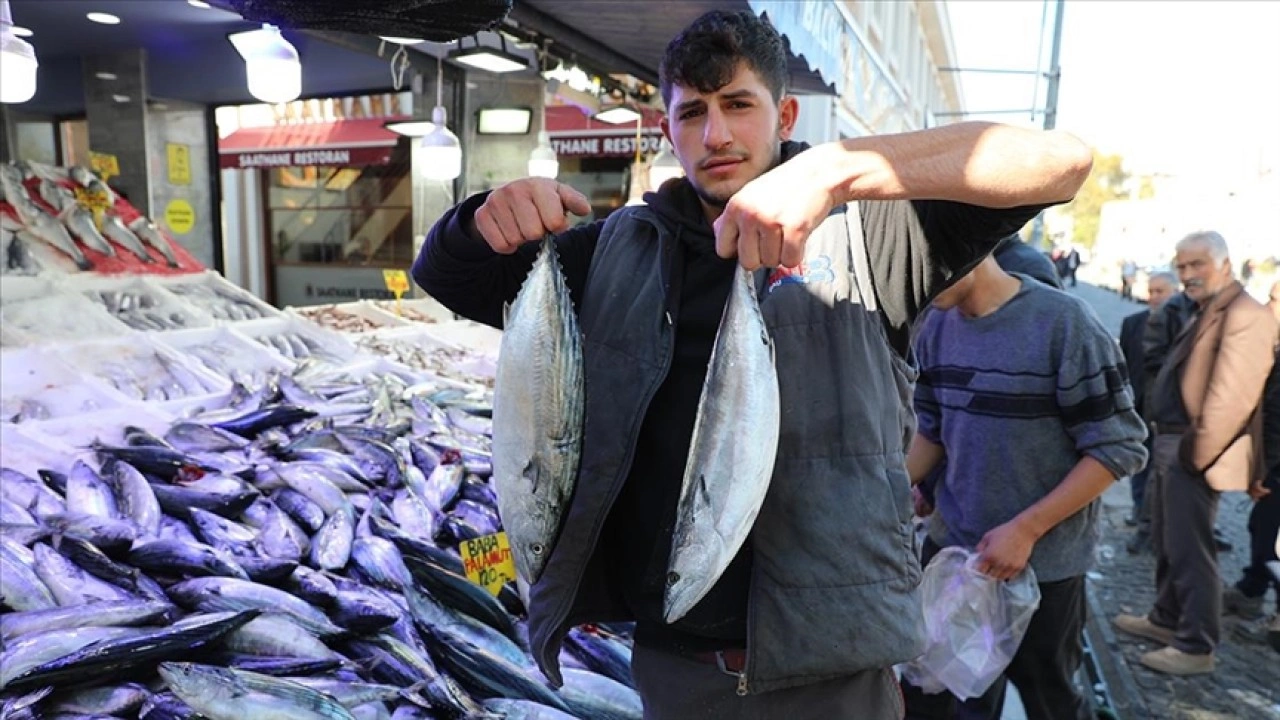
530,473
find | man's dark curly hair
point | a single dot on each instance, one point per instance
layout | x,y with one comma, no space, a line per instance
705,55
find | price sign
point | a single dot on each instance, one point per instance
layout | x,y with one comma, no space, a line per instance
488,561
179,163
107,166
398,283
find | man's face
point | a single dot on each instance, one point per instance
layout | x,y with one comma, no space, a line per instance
1158,291
1201,277
729,137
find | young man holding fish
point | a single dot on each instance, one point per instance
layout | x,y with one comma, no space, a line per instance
847,242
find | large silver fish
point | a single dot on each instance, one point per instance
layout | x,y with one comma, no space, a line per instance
735,441
224,694
85,178
39,223
80,222
113,227
151,235
537,413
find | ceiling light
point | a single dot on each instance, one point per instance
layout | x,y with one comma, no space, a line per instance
120,98
401,40
492,60
618,115
198,4
103,18
105,75
504,121
271,64
543,161
21,32
17,62
410,128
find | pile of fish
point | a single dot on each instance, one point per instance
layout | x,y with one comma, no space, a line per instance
223,303
403,311
290,555
153,376
296,346
430,357
49,212
140,308
335,318
229,361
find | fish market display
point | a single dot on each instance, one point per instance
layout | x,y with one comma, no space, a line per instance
145,374
222,303
537,413
229,361
438,360
113,227
404,311
735,440
290,555
38,222
296,346
16,246
142,308
335,318
151,235
66,317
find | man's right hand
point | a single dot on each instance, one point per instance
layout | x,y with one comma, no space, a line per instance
526,210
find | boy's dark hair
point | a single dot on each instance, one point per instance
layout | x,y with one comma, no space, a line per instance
705,55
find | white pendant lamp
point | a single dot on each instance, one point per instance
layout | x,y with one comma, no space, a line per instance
664,166
17,62
441,150
543,161
271,64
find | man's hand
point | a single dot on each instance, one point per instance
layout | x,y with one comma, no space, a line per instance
767,222
1003,552
1257,491
526,210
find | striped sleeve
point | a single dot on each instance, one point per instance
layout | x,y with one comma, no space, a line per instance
1096,402
928,413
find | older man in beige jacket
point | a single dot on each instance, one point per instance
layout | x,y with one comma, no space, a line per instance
1205,409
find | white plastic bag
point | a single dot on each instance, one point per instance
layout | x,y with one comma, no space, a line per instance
974,624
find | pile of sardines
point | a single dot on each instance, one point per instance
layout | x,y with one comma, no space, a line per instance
293,555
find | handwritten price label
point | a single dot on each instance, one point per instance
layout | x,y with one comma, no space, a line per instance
488,561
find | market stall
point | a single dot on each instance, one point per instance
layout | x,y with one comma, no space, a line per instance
207,502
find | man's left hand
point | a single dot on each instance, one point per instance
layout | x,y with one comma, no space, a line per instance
1003,552
766,223
1257,491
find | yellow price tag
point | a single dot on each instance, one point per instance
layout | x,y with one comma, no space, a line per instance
107,166
96,202
488,561
398,283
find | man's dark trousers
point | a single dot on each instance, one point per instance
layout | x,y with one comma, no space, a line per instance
1043,669
1264,523
1188,588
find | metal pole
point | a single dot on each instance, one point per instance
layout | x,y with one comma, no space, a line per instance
1050,110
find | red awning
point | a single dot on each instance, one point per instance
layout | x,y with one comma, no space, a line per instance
361,141
573,133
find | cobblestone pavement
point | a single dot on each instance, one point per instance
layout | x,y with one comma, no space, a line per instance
1246,684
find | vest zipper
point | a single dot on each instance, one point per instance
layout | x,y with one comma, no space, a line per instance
742,683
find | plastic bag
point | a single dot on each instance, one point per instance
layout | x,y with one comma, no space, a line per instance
974,624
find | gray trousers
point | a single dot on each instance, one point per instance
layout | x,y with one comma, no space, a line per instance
677,688
1188,585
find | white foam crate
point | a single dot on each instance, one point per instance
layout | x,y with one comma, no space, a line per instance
106,427
439,357
472,335
168,309
359,310
240,355
58,318
38,375
426,311
16,288
28,451
238,305
334,347
103,358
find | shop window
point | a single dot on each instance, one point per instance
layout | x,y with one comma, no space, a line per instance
352,216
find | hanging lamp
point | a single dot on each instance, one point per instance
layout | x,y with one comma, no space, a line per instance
271,64
17,62
441,150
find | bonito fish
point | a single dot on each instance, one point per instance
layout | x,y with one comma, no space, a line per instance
735,440
537,413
